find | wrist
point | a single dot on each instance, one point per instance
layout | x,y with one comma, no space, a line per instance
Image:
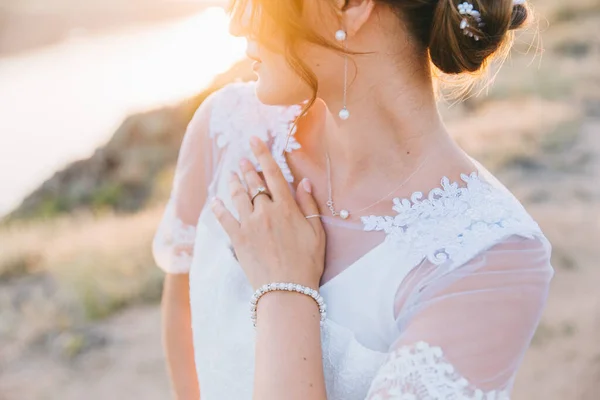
281,306
303,281
277,289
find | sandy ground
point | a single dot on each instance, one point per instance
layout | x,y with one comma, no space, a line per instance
129,365
564,360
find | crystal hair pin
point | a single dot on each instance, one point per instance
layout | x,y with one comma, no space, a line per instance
466,9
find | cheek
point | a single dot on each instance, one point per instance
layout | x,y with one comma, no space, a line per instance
279,84
328,68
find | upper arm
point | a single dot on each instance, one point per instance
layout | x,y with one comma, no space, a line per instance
174,240
463,330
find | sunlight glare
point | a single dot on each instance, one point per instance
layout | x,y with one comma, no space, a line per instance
59,103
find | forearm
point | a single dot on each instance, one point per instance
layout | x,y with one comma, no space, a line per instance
289,362
177,337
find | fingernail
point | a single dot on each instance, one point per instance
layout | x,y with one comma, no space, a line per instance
306,185
245,163
232,175
214,203
254,141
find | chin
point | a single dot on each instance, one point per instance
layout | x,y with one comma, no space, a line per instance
278,94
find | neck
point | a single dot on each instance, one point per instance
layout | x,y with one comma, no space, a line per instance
393,122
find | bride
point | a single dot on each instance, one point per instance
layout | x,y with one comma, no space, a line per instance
325,238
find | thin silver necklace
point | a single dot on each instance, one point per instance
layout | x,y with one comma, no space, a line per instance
344,213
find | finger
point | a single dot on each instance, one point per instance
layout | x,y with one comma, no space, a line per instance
275,180
225,218
253,180
307,204
239,196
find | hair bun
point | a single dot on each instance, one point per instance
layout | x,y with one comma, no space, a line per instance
519,16
456,46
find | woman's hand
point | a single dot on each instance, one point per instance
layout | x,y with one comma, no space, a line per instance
273,240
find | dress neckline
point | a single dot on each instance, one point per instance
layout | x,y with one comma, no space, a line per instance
409,208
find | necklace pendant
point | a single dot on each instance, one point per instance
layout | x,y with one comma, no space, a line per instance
344,214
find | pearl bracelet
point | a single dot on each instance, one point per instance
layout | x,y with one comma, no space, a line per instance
291,287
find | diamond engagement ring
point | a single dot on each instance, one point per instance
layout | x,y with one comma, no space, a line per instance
259,191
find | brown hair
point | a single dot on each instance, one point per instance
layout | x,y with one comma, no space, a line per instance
434,26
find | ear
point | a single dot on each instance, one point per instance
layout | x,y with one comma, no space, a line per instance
354,14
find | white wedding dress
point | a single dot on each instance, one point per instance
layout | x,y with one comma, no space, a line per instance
431,297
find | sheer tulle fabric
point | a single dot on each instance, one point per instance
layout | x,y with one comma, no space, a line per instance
452,284
173,245
463,330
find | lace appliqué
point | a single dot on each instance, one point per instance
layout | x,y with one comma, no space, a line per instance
181,244
239,115
453,222
284,140
420,372
173,245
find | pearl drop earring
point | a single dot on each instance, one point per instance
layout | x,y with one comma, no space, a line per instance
340,36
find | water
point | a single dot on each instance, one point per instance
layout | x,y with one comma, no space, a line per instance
60,103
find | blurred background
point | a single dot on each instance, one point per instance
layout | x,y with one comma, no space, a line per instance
95,96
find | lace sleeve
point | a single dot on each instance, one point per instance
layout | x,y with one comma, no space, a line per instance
463,330
174,240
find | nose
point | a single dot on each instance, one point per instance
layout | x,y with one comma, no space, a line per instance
240,18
